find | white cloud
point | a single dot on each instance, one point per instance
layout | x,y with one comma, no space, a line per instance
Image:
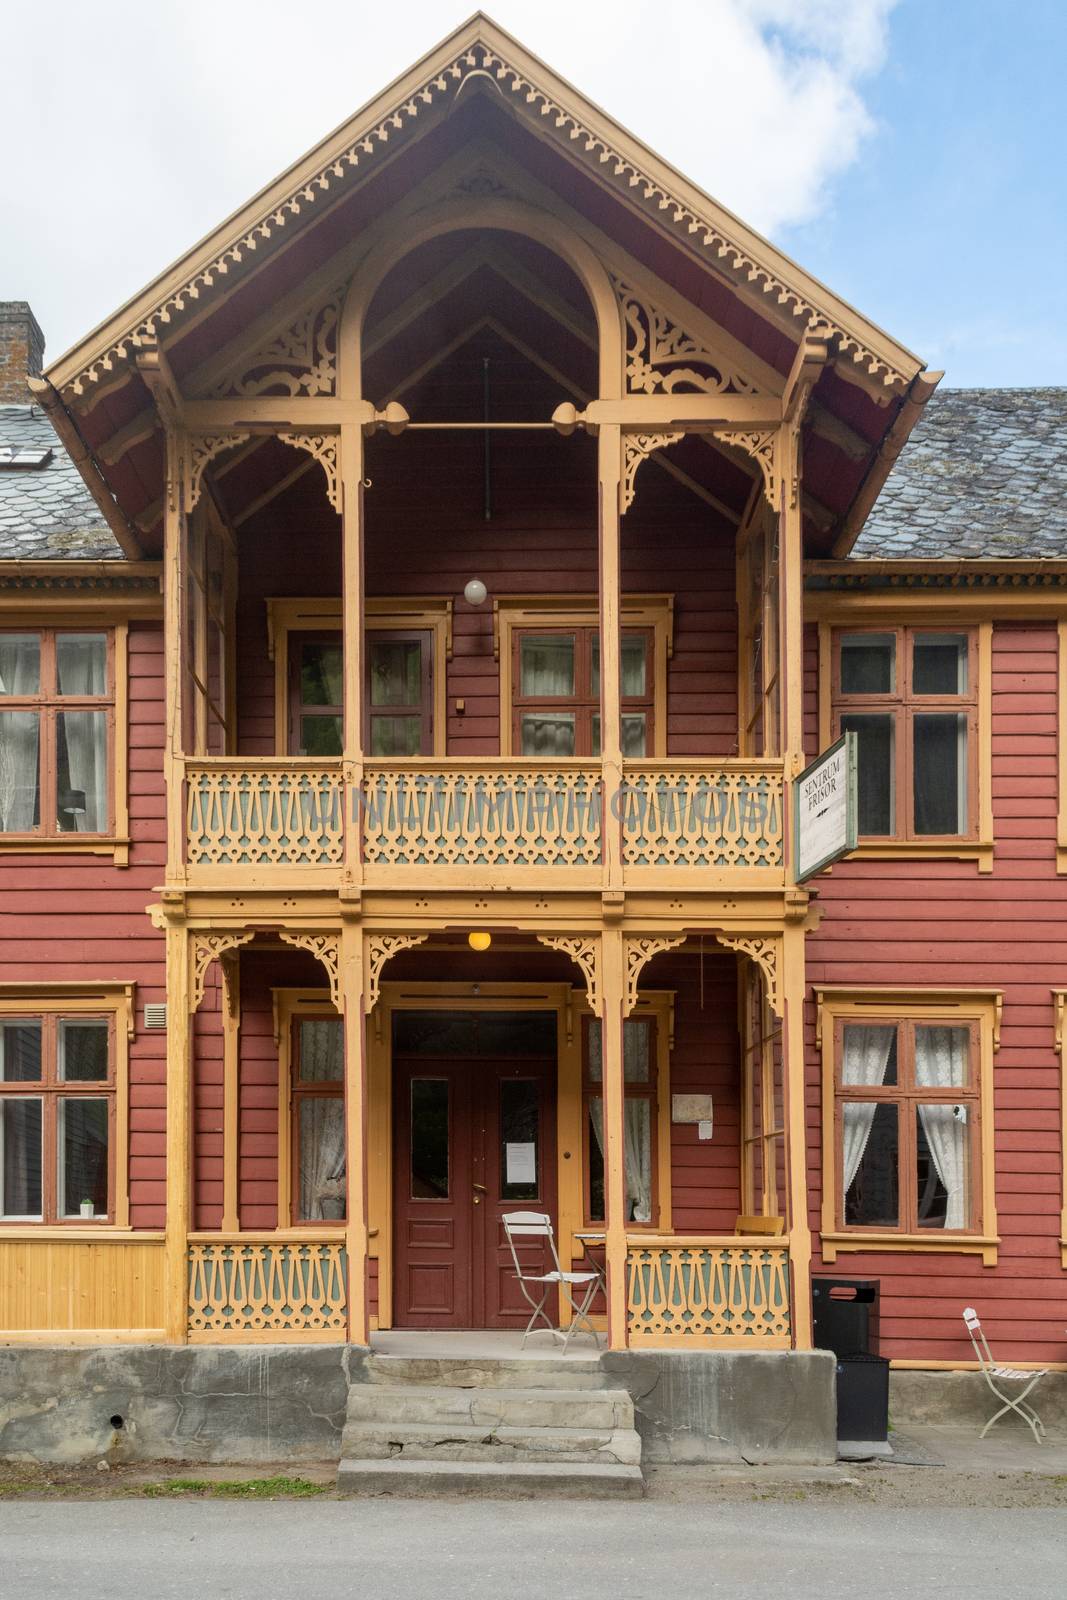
131,129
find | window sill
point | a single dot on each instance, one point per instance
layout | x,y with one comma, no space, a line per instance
962,1244
980,850
81,845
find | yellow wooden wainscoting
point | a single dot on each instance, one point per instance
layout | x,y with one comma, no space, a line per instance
73,1289
288,1288
712,1292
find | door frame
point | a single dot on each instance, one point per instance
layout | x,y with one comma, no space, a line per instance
570,1006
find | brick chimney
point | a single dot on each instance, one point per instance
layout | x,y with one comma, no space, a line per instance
21,351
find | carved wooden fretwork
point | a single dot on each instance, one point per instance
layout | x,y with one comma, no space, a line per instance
639,951
324,448
380,947
300,361
206,948
761,447
636,447
766,952
662,358
326,948
585,953
201,451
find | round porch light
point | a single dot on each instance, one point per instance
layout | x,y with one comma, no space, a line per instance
475,592
479,941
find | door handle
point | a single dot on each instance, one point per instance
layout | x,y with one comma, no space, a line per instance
480,1187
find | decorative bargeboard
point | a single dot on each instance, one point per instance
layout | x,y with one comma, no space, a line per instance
721,816
681,1294
292,1290
265,813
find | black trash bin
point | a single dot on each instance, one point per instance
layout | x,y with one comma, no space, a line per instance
863,1397
845,1315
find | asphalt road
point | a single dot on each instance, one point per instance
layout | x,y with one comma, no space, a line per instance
433,1550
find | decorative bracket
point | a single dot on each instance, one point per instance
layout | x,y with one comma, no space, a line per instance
206,948
379,948
202,450
299,360
636,447
765,951
324,448
326,948
656,348
761,447
585,953
639,951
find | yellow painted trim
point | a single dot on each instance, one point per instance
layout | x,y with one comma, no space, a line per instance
941,606
1061,746
919,1365
231,1092
1059,1000
82,1336
894,1005
655,611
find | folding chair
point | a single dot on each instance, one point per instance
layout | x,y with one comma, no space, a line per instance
994,1374
538,1225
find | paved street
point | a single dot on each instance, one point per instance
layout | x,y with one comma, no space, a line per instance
407,1550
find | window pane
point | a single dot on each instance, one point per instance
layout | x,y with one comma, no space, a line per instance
596,1159
395,736
638,1160
321,673
943,1167
395,672
942,1056
519,1136
83,1051
321,736
546,666
81,663
81,772
939,663
875,771
636,1050
20,663
869,1136
940,773
868,663
870,1054
20,1157
634,741
20,1052
429,1139
20,797
83,1139
633,666
321,1145
595,1065
321,1050
546,733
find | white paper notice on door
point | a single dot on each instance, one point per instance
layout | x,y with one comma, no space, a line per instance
520,1161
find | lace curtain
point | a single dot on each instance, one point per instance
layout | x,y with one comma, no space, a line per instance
638,1135
322,1123
81,662
941,1056
866,1058
20,673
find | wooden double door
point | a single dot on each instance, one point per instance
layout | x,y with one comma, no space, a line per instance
474,1138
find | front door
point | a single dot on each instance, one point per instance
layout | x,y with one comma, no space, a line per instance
474,1140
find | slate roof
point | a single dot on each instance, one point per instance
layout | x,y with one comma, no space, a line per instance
47,513
984,473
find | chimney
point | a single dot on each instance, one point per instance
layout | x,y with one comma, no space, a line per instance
21,351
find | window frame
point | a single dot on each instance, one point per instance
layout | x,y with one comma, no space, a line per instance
584,704
979,1009
48,703
650,1091
114,1003
328,1089
290,1007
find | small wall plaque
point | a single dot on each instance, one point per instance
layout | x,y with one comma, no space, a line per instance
691,1108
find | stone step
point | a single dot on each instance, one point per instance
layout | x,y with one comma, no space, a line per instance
513,1480
439,1441
475,1372
491,1406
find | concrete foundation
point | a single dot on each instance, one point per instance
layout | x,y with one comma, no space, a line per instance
260,1404
964,1399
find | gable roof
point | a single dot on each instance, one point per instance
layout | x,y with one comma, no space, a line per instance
46,511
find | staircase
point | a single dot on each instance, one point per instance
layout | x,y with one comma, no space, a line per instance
473,1426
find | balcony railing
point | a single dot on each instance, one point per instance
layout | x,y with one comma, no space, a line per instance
696,814
280,811
709,1291
268,1288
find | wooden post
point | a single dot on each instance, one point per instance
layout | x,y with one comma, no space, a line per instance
793,985
352,996
174,654
351,471
609,473
613,990
231,1089
179,1055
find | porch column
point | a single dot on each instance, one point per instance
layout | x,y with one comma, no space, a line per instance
609,472
351,474
793,985
179,1175
613,990
231,1022
352,1000
174,644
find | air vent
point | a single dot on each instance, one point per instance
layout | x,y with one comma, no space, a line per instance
155,1016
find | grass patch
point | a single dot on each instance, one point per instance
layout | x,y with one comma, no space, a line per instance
277,1488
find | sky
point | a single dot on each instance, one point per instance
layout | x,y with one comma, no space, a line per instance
911,153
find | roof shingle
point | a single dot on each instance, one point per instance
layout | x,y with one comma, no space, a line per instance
47,513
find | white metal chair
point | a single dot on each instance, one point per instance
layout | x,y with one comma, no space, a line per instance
538,1225
994,1375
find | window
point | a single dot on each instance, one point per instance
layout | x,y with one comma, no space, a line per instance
911,697
318,1118
556,700
398,700
57,733
639,1078
57,1117
908,1118
763,1173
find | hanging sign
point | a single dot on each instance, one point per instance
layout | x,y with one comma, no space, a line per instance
824,809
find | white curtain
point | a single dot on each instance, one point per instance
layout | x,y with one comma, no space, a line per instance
638,1154
322,1158
81,663
866,1058
20,673
941,1057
